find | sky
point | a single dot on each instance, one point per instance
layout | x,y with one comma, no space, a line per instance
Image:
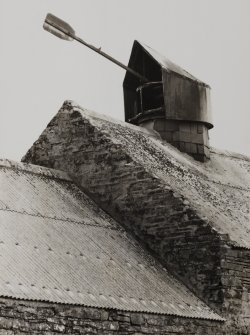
38,72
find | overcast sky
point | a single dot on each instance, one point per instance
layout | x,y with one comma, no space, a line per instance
208,38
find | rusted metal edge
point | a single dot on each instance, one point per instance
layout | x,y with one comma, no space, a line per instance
218,318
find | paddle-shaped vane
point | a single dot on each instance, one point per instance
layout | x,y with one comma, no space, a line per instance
64,31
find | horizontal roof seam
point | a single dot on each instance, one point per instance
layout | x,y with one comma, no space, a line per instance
48,173
218,319
61,219
228,185
230,155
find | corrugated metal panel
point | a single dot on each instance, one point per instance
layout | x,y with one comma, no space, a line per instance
56,245
51,197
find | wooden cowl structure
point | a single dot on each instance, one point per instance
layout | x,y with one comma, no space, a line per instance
172,101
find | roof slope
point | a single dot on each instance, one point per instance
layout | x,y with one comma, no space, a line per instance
57,245
219,190
167,64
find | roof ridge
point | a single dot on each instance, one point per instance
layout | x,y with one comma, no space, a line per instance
170,66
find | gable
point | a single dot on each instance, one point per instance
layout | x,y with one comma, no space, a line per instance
219,190
140,50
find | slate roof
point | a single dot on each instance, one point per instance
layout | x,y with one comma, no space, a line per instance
218,190
56,245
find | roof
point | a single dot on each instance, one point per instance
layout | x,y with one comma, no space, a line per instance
56,245
165,63
218,190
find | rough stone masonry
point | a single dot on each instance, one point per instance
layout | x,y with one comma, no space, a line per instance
19,317
99,158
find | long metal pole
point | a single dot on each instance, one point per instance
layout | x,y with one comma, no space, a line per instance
98,50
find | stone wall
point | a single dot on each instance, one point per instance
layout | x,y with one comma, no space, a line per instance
236,286
158,217
19,317
162,220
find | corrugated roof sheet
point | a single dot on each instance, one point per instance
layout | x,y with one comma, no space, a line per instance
56,245
219,190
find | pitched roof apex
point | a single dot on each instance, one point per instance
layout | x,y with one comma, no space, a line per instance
167,64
